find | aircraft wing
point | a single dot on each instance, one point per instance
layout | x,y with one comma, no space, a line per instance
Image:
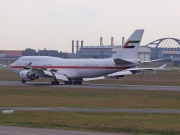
45,73
134,71
142,69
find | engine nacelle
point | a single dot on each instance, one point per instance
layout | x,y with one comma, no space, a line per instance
26,75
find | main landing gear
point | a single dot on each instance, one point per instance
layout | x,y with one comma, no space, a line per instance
55,82
76,82
79,82
68,82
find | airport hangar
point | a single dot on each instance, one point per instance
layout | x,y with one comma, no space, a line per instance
164,48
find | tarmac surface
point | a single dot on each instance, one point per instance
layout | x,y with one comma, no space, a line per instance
108,110
5,130
95,86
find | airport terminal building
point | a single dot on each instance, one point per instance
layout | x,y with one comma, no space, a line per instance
164,48
97,52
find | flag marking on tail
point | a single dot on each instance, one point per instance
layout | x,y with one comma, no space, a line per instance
131,46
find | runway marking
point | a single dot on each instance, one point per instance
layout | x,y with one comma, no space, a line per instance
15,133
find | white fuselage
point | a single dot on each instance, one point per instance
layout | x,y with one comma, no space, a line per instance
72,68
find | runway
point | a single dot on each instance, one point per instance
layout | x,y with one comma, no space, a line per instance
5,130
108,110
95,86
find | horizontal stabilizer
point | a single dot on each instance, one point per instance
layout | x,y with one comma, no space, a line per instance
151,61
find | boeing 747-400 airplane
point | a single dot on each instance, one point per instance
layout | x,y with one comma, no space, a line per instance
75,71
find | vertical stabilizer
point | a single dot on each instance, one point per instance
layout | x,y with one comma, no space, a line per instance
130,48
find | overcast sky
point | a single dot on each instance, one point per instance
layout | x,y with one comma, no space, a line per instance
53,24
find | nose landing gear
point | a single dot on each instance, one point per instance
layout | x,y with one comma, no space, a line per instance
23,81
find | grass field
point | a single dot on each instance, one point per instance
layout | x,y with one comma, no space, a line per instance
165,124
78,97
136,123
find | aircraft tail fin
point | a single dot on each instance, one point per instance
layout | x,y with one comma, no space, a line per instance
129,50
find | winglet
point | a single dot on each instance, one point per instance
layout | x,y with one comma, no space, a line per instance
163,66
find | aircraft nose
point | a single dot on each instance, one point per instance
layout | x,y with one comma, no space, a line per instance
12,68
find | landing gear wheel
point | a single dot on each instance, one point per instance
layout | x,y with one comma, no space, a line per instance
80,82
23,81
55,82
77,82
68,82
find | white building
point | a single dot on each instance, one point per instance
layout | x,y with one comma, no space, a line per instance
107,52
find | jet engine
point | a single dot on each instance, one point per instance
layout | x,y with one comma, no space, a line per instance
26,75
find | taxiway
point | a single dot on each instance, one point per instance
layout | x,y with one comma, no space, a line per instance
5,130
95,86
108,110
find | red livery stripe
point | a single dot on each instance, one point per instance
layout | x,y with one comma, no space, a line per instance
76,67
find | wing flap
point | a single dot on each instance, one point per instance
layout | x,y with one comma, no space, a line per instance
94,78
57,76
120,73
